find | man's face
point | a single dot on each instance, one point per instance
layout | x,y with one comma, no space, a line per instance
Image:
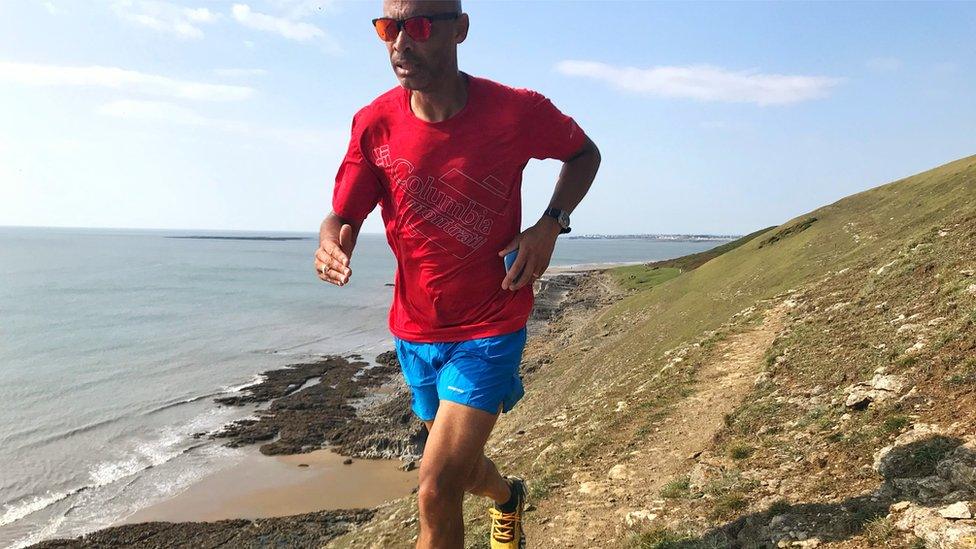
418,65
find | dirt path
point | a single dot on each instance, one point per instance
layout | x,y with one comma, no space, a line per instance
592,508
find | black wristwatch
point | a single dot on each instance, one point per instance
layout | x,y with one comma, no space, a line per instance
561,217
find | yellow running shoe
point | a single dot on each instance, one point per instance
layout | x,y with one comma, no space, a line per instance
506,528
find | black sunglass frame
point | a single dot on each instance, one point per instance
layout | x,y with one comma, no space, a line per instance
432,17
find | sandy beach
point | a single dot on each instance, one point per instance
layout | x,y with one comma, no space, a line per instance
261,486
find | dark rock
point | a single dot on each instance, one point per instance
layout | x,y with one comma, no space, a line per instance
305,416
309,530
388,358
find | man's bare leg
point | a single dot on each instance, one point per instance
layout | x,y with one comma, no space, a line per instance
454,463
486,481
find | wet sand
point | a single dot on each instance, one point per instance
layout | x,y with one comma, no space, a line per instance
584,267
261,486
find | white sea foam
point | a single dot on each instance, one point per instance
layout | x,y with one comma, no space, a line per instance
47,531
256,379
16,511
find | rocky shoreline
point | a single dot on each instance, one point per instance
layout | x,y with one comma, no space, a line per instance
343,403
305,530
329,403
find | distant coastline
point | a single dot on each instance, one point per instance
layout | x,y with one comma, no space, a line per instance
269,238
668,237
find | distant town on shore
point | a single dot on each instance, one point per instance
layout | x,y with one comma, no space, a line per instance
676,237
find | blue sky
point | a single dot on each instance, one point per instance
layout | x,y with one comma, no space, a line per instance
712,118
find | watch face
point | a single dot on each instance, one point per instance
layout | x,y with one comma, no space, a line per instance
563,219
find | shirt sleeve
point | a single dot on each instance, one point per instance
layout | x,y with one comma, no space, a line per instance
357,189
547,132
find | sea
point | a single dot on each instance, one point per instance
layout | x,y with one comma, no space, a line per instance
114,343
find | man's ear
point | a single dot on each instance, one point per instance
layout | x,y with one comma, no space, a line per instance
462,28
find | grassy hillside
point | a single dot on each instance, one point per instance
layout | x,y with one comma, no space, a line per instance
609,390
648,275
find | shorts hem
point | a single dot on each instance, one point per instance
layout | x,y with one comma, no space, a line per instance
470,404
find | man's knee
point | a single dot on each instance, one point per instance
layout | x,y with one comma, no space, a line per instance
478,474
439,489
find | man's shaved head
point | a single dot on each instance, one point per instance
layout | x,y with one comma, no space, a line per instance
422,65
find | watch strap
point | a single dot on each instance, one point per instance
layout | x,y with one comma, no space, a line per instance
556,213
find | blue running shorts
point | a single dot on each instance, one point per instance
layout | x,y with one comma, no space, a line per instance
481,373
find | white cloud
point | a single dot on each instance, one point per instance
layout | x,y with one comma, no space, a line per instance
291,29
706,83
165,17
239,73
171,113
53,8
884,64
200,15
122,79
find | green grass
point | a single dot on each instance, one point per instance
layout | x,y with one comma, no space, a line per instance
966,374
541,487
693,261
751,416
895,424
741,451
879,531
648,275
924,456
683,307
641,277
788,231
863,231
728,505
676,489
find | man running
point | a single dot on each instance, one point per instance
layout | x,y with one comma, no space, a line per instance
443,154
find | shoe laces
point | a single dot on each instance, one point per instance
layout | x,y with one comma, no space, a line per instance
503,525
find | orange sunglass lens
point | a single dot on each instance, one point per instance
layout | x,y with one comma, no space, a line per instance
418,28
386,29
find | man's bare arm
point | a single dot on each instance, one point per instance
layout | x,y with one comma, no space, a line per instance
337,238
574,181
536,243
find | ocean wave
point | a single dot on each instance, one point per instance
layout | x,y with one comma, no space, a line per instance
24,433
255,379
34,537
59,435
143,456
12,512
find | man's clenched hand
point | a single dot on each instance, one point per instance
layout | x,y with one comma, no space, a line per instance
332,256
535,246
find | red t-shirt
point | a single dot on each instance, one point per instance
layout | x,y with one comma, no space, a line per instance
450,194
